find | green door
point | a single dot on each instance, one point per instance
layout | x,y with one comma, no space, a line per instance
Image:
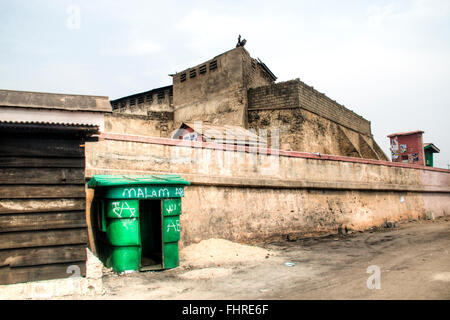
171,210
428,158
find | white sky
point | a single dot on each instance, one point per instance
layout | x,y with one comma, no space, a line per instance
388,61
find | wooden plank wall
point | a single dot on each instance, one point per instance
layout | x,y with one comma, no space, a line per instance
42,206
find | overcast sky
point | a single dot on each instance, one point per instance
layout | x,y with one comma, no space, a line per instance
388,61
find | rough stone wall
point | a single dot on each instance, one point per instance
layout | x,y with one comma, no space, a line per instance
241,200
219,94
301,130
316,102
275,96
157,100
295,93
155,124
254,74
329,128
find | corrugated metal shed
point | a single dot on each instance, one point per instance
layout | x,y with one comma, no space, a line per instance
226,134
26,126
43,100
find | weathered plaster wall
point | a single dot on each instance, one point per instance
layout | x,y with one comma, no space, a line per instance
155,124
244,196
156,100
301,130
249,214
309,121
219,95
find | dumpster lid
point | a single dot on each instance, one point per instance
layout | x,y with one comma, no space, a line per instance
126,180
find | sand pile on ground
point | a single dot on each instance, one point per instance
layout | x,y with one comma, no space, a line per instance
220,252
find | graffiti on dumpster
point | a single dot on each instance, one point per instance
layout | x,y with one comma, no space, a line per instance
120,206
145,192
179,192
173,224
172,207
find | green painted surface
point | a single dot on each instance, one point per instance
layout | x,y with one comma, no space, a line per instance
171,207
171,210
122,209
131,180
123,232
103,215
132,226
142,192
171,258
171,228
428,158
124,258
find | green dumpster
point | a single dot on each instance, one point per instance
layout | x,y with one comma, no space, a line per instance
139,218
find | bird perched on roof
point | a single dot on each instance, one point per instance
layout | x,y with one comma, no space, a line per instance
241,43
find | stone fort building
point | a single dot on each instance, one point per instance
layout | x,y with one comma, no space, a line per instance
235,89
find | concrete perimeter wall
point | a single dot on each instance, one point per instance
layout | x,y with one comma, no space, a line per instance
155,124
244,196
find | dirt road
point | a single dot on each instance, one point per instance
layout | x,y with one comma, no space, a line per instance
413,259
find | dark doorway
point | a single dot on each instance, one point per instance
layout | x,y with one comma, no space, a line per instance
151,239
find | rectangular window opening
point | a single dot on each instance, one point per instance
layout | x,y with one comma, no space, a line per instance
213,65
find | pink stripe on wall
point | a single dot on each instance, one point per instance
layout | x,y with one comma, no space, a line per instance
227,147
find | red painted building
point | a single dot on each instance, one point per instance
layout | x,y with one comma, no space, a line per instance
407,147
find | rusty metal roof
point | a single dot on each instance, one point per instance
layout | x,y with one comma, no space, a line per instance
226,134
265,68
42,100
47,123
46,126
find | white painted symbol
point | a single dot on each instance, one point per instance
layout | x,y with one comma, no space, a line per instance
119,207
374,281
164,192
171,207
179,192
175,225
116,209
130,192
